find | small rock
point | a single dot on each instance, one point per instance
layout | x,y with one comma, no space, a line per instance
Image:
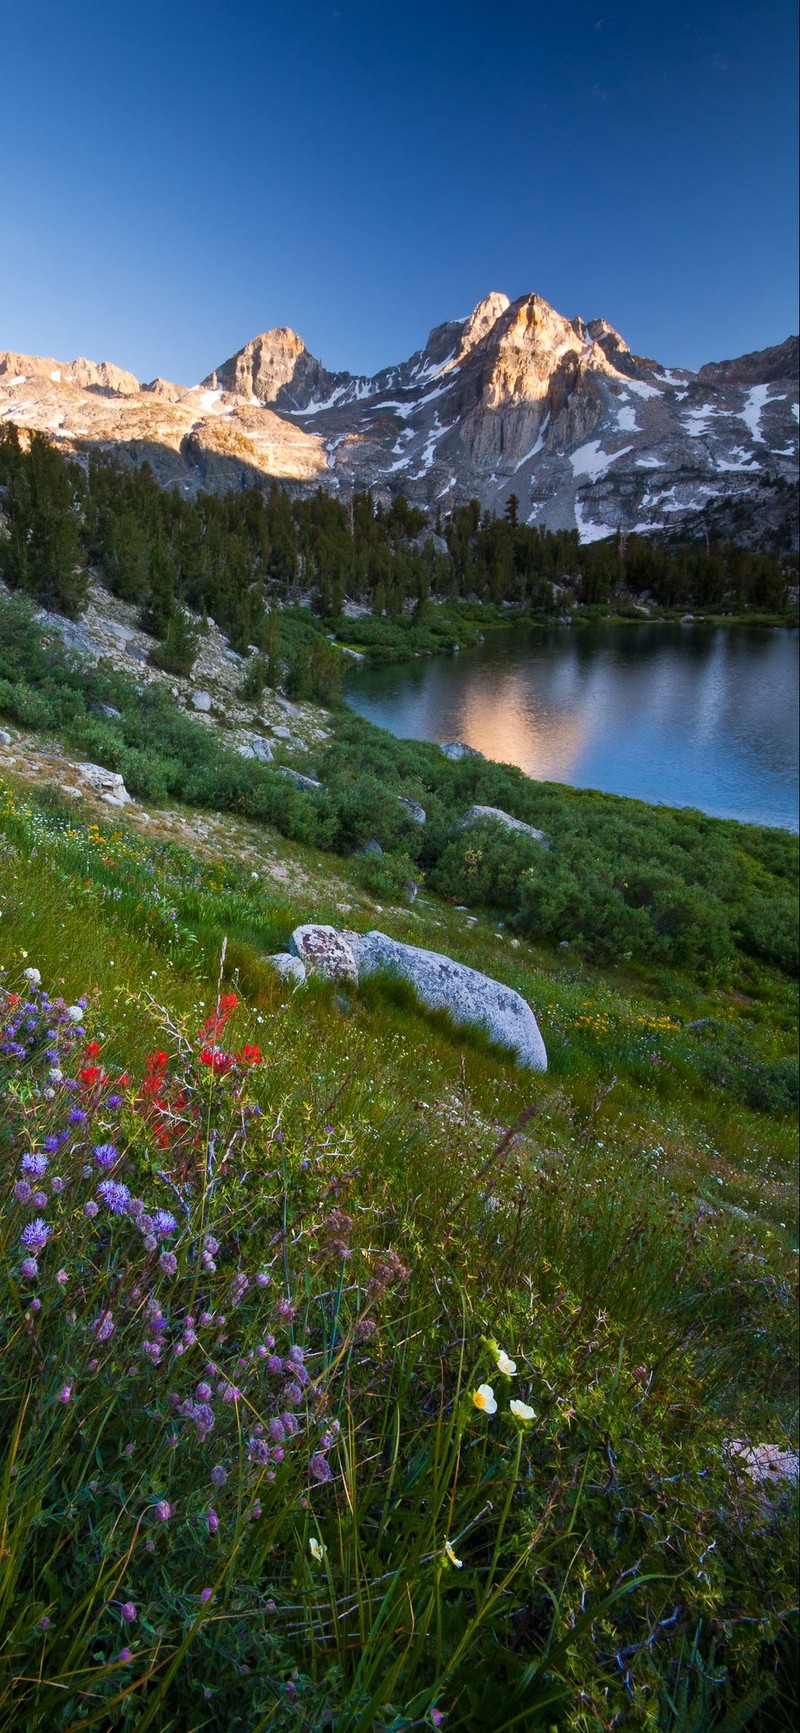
289,968
455,750
494,815
296,776
256,747
109,711
370,848
202,701
324,951
282,733
768,1466
413,809
5,737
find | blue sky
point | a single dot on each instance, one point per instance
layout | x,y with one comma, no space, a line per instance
177,177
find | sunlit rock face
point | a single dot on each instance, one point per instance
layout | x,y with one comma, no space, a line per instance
514,399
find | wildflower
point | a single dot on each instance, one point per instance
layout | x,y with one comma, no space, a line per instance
437,1717
219,1475
56,1074
114,1195
251,1055
62,1277
91,1209
113,1101
450,1554
76,1116
319,1469
39,1199
274,1364
263,1279
203,1391
522,1411
483,1398
168,1263
277,1430
163,1223
44,1624
316,1549
22,1191
29,1269
33,976
504,1365
65,1393
105,1154
90,1075
35,1235
36,1165
125,1655
104,1326
163,1510
213,1521
128,1612
292,1394
205,1594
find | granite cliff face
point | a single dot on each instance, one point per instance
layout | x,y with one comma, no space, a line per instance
513,399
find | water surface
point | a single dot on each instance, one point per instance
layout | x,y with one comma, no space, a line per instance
694,715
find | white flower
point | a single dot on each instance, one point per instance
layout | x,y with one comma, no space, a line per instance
521,1411
33,976
56,1075
449,1553
504,1365
483,1398
75,1013
316,1549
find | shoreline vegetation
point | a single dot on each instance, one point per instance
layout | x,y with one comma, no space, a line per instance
354,1378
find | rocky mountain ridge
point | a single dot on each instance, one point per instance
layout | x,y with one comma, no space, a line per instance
514,399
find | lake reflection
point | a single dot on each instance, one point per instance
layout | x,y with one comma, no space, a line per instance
699,716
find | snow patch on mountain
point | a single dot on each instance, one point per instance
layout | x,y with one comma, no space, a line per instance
591,460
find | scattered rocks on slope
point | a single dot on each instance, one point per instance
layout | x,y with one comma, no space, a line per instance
297,777
108,784
324,951
458,749
494,815
414,809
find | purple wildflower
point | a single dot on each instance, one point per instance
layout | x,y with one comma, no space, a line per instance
113,1101
163,1510
275,1365
105,1154
104,1327
319,1469
292,1394
29,1268
91,1209
22,1191
203,1392
65,1393
35,1235
219,1475
128,1612
35,1165
114,1195
39,1199
163,1223
58,1184
213,1521
205,1594
125,1655
168,1263
76,1116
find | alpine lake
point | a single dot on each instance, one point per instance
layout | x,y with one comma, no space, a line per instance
691,714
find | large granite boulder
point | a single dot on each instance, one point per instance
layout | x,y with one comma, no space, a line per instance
444,985
324,951
495,815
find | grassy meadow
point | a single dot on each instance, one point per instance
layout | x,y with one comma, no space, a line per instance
353,1377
